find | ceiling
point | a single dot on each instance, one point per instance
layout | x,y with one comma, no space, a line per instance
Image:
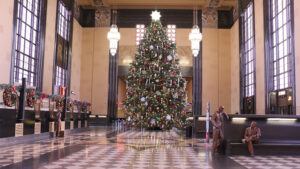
158,4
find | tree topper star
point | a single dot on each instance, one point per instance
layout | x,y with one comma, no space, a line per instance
155,15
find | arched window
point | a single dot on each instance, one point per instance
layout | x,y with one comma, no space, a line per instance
247,58
62,46
28,48
171,32
140,32
280,57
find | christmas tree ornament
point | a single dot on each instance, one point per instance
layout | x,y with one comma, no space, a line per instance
169,58
143,99
168,117
151,47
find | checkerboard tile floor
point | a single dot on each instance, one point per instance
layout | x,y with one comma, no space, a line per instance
17,153
268,162
111,157
133,149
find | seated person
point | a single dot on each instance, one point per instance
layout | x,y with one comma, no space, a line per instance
251,136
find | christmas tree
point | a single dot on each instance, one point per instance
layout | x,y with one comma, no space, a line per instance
156,93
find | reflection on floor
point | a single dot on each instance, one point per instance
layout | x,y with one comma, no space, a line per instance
102,147
268,162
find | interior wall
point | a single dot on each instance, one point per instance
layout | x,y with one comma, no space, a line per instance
189,89
216,85
76,59
121,90
260,57
6,30
49,46
235,67
95,68
297,52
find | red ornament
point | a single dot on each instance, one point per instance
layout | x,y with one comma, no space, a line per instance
15,89
141,80
181,95
174,82
167,45
175,106
131,93
145,63
44,96
174,72
162,79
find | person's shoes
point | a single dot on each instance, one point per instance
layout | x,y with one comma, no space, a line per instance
243,141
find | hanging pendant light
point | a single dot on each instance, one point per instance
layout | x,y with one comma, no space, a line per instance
113,36
195,36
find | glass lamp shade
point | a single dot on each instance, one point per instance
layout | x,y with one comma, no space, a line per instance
195,37
113,36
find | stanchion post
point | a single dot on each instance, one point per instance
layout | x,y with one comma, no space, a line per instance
21,111
207,121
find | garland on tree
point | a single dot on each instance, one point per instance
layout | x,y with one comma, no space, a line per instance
156,93
10,96
30,97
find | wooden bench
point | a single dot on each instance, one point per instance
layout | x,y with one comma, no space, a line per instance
278,137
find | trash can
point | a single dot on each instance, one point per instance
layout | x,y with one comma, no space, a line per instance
189,132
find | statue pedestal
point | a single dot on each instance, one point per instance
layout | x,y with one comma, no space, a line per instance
37,127
51,127
79,124
62,126
71,125
19,129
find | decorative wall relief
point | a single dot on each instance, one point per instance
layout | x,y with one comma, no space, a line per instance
102,14
185,56
210,14
210,18
76,11
126,55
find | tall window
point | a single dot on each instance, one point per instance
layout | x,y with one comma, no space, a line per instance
171,32
281,57
140,31
248,60
26,56
62,48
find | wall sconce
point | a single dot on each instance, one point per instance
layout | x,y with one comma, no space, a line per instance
201,118
281,119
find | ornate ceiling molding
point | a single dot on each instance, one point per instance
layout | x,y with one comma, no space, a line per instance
102,14
210,14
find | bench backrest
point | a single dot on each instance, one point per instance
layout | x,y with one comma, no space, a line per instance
270,130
